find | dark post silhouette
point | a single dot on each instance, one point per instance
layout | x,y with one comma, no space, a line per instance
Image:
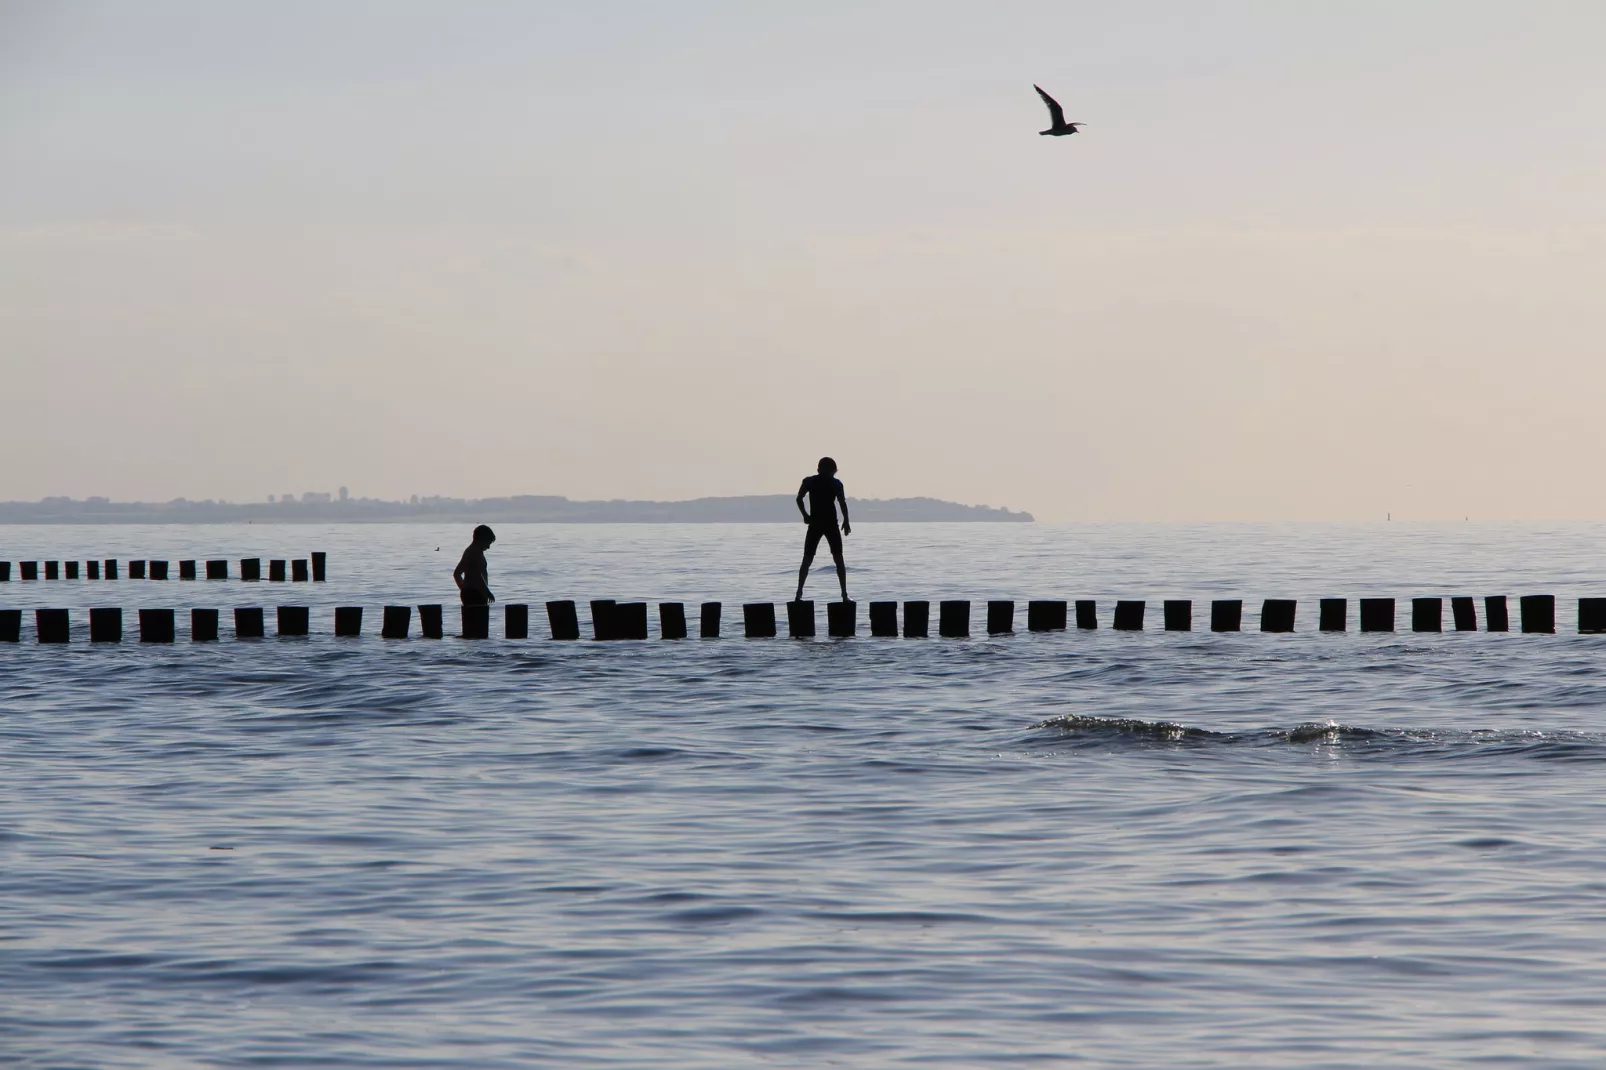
1591,616
72,570
953,620
275,571
602,627
917,620
671,620
515,621
217,570
562,620
1377,614
111,568
248,622
159,570
203,625
294,620
136,570
396,622
800,620
186,570
841,619
251,569
51,625
10,625
708,620
630,620
298,570
1129,616
1495,618
430,625
1538,612
1277,614
476,621
1227,615
348,620
1334,615
5,571
106,625
1427,614
1046,616
824,492
1464,614
1087,614
52,570
320,561
156,626
28,569
93,568
758,620
1000,617
1178,614
884,620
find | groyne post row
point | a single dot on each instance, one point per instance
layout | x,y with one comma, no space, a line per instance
612,620
314,567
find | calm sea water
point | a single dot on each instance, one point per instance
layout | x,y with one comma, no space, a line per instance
1102,849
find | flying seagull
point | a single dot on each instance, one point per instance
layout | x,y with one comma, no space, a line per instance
1057,115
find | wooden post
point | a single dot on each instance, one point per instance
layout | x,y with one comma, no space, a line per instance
1277,614
72,570
93,569
800,620
275,571
562,620
251,569
136,570
320,562
1087,614
758,620
1227,615
429,622
884,619
29,569
1538,612
106,625
1128,616
515,618
476,622
298,570
917,620
630,620
159,570
671,620
953,619
708,620
52,570
1334,615
842,619
1178,614
348,620
203,625
1046,616
111,568
10,625
1427,614
217,570
1000,617
1377,614
396,622
156,626
1591,616
186,570
293,621
51,625
1464,614
602,619
248,622
1495,618
5,571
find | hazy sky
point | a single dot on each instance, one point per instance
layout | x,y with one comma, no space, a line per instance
1305,261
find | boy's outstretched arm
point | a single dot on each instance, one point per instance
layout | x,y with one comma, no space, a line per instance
842,496
803,489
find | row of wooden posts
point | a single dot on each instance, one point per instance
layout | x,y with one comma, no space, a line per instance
628,620
298,570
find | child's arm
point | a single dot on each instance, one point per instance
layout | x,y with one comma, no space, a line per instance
842,496
802,490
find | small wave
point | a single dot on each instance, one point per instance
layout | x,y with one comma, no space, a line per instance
1131,727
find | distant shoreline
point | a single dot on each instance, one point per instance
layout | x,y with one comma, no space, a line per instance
529,508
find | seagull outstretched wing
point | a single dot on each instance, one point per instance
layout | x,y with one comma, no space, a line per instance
1056,114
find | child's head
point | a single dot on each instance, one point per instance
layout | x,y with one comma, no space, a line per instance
484,536
827,467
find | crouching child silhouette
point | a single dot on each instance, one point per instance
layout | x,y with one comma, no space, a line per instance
472,574
823,492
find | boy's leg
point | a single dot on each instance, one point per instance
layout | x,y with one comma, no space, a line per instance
810,543
834,537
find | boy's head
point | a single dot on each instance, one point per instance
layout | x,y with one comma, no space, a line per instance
484,536
827,467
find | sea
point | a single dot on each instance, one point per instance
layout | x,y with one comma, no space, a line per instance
1076,848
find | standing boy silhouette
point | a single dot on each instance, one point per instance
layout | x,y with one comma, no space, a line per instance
823,492
472,574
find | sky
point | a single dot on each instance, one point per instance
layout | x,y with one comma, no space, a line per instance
1305,262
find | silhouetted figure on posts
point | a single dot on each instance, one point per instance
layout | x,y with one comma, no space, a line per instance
823,492
472,574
